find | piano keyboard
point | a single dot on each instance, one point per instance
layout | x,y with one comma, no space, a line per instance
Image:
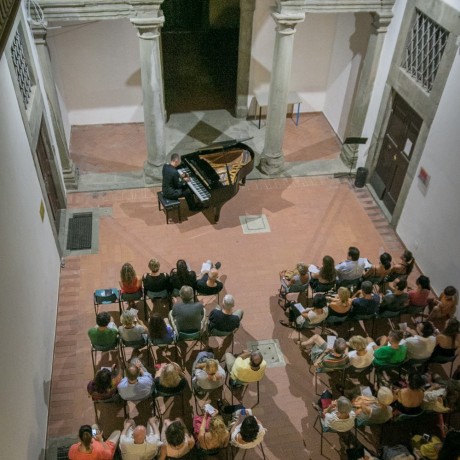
196,186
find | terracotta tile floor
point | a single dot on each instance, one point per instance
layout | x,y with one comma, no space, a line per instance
308,217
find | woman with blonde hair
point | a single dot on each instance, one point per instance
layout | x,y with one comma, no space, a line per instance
155,281
340,304
363,351
132,329
169,379
210,432
207,374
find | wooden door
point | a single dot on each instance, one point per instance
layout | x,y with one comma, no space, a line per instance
396,151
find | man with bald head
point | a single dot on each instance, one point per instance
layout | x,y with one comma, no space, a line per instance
209,283
138,442
248,367
137,384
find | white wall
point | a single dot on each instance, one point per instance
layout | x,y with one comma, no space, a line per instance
97,70
29,282
430,222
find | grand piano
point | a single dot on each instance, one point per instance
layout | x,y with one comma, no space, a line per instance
216,172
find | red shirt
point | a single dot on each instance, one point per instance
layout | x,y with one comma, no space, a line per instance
418,298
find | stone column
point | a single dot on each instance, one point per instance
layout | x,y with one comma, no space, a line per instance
69,171
365,84
272,159
148,31
247,8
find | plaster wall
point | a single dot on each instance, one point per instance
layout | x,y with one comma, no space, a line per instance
430,219
97,69
30,257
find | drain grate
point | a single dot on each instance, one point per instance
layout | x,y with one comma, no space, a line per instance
79,235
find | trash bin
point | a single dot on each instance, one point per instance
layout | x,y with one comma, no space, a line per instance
361,176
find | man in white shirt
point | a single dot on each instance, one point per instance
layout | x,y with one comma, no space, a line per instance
138,442
137,384
352,268
422,342
339,416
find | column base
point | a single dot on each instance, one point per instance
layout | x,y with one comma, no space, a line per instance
349,155
70,175
272,166
152,174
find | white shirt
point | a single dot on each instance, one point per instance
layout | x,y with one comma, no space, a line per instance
360,362
350,269
419,347
202,380
332,421
136,391
247,445
145,451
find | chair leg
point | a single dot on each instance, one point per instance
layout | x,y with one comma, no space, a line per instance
93,358
262,449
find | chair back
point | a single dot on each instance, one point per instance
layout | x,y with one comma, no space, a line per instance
106,296
157,295
217,333
132,296
442,359
134,343
105,347
406,417
186,336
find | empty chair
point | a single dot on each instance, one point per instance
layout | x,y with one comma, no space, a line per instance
106,297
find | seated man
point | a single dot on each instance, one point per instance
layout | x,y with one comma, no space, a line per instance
139,443
365,302
352,268
390,351
105,334
324,357
339,416
422,341
187,316
137,384
248,367
174,184
209,284
225,319
207,374
396,298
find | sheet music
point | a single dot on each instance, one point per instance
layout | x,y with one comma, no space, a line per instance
313,268
331,340
299,307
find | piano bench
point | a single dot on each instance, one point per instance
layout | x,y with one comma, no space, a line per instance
168,205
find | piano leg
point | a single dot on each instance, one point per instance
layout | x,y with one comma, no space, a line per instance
217,213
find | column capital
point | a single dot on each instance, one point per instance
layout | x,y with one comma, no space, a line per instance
286,23
381,20
148,28
39,32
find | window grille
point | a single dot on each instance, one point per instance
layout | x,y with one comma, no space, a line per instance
22,68
424,50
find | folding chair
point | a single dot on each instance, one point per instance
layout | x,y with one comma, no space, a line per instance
115,400
217,333
106,297
135,345
443,360
134,297
96,348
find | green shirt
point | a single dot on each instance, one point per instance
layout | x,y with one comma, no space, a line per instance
389,355
104,338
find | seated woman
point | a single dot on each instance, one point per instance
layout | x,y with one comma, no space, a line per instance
210,432
247,432
93,447
177,441
170,379
408,400
160,333
404,268
362,354
324,279
295,281
340,305
132,329
155,281
371,410
418,297
181,276
314,315
448,340
207,374
446,306
104,385
129,282
396,298
376,273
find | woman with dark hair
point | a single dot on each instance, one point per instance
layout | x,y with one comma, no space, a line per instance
177,441
404,268
160,333
450,449
104,384
378,272
246,432
92,446
323,279
446,306
418,297
448,340
408,400
181,276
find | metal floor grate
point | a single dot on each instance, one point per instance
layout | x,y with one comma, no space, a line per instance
62,453
79,235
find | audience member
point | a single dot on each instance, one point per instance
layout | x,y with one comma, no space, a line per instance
225,319
209,283
160,333
450,449
322,280
448,340
181,276
137,384
170,379
129,282
376,273
248,367
404,268
373,410
365,302
390,350
314,315
418,297
295,281
139,442
132,329
340,305
422,342
396,298
210,432
246,432
362,354
408,400
324,357
207,374
104,384
352,268
339,416
105,333
187,316
156,281
446,306
176,440
92,446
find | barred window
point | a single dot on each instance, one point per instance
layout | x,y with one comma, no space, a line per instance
21,67
424,50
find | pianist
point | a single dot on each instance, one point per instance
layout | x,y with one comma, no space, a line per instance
174,184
